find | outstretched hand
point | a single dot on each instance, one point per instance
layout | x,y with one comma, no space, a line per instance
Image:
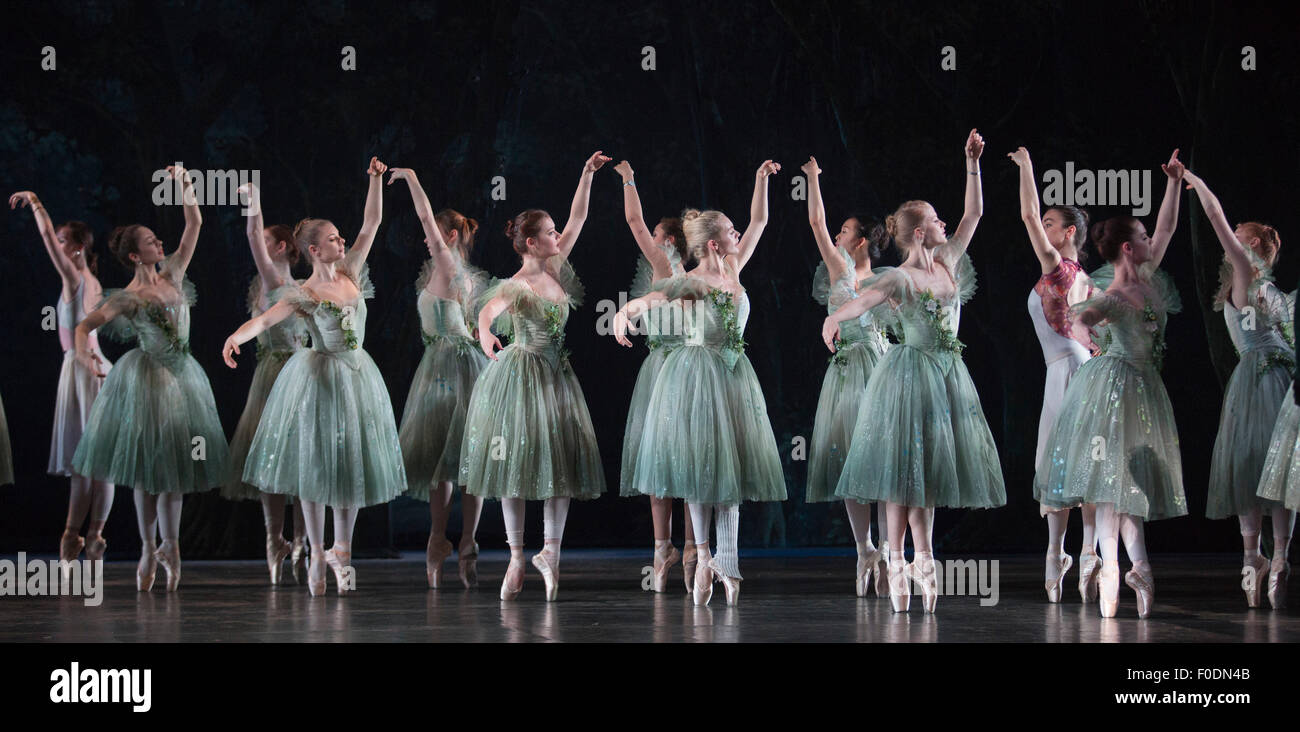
226,351
974,145
620,326
376,167
1020,156
489,343
830,332
624,169
768,168
22,198
595,162
396,174
1174,168
809,168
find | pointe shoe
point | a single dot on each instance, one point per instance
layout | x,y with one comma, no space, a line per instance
703,590
730,584
1053,586
435,554
298,559
316,574
1253,579
1108,590
867,564
1144,584
95,548
276,551
508,592
70,546
882,570
144,572
169,556
689,555
467,566
339,562
925,576
900,593
1089,576
1277,577
550,569
659,579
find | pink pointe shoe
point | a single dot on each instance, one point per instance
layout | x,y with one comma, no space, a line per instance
662,562
435,554
1053,586
509,590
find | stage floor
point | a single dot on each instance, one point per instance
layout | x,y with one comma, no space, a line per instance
801,596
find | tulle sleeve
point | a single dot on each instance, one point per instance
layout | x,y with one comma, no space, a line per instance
171,270
682,287
642,279
119,328
952,254
361,280
296,295
1160,281
563,273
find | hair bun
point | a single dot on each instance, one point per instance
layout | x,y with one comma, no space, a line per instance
891,225
690,214
510,229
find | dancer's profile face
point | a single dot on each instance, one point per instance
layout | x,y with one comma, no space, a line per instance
933,229
729,241
276,250
148,247
547,242
850,235
1138,248
72,250
329,247
1058,235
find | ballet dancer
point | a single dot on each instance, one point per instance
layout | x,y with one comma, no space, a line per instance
275,256
154,424
433,420
1258,317
70,248
1057,237
846,261
662,253
923,442
1115,443
327,435
528,434
707,438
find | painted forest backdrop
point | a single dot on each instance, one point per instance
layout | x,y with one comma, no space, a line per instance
524,89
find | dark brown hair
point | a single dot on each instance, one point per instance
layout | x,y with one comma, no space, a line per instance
80,234
1078,218
453,220
1110,235
874,232
281,233
525,225
123,242
673,228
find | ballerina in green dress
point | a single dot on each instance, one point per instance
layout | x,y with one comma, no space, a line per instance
707,438
433,420
1259,321
154,424
1115,443
923,441
327,435
846,261
275,254
1280,480
528,434
662,253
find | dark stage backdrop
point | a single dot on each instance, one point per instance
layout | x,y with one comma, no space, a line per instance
463,92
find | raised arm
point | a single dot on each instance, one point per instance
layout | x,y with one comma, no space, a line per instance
581,197
251,329
1048,257
443,261
974,208
817,220
193,220
356,256
1167,220
636,222
1235,252
757,214
66,269
253,230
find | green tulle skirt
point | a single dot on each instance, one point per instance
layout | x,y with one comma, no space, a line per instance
528,433
636,414
1250,407
6,453
433,421
143,424
327,434
264,377
1280,477
843,396
707,437
1114,442
921,438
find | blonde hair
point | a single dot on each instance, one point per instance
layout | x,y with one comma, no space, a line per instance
306,232
699,227
900,224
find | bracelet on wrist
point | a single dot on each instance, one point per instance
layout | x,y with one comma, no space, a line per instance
629,183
